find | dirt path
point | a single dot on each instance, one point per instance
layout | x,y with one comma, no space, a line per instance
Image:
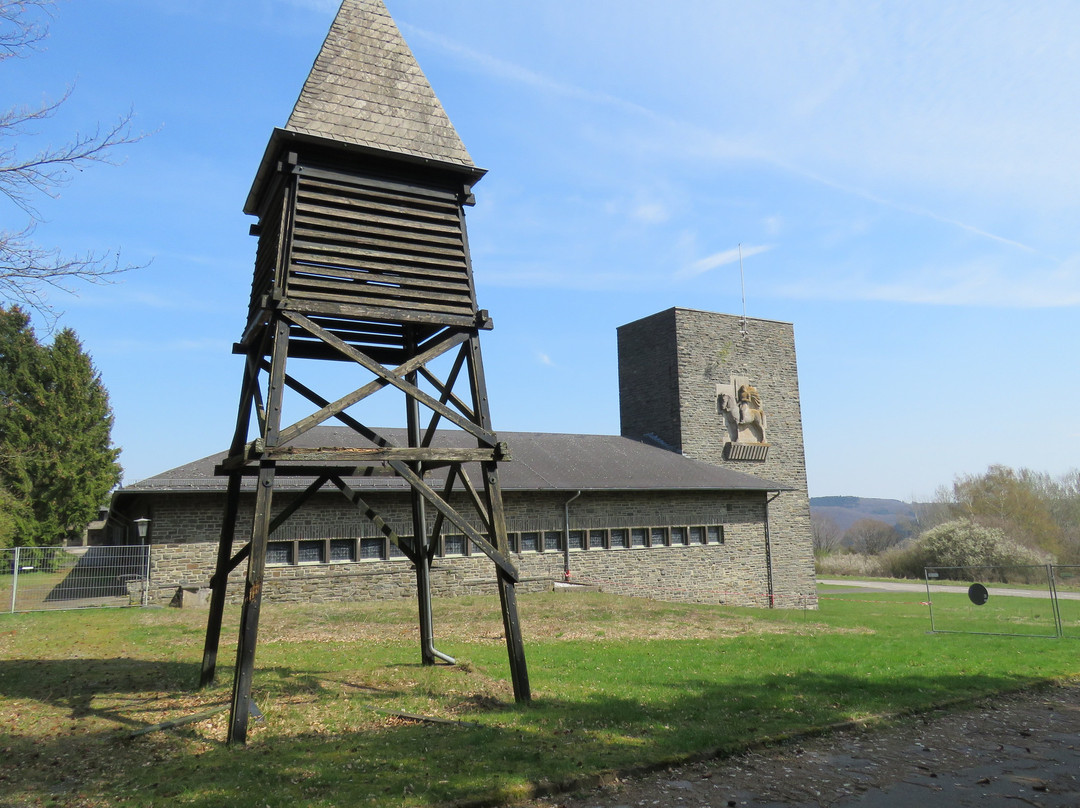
1016,750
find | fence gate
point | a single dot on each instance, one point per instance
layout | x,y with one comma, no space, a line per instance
1001,600
1067,590
42,578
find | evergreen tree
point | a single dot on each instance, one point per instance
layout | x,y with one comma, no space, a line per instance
58,463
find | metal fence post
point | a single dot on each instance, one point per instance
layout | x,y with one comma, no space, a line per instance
146,578
14,579
1054,599
929,597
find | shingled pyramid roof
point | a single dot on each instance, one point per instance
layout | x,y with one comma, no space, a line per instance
366,89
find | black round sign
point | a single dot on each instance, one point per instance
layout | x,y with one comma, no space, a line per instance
977,594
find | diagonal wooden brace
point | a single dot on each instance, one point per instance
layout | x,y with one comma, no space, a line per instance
501,561
392,377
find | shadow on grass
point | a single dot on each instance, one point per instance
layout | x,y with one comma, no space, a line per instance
73,684
506,753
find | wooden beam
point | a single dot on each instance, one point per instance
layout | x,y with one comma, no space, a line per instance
501,561
385,376
481,434
361,470
373,515
377,455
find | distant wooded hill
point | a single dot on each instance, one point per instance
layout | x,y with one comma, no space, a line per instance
846,511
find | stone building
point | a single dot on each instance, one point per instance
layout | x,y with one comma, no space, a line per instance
692,502
678,369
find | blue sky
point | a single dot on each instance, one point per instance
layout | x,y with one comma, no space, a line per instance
901,177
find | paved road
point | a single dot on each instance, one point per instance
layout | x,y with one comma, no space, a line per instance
1007,752
901,586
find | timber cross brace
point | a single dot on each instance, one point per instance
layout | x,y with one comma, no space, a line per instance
275,454
363,261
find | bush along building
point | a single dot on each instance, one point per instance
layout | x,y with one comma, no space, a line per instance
700,499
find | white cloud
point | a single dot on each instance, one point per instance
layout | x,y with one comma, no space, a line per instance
976,283
710,262
508,71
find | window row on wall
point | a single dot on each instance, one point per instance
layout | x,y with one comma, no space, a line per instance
322,551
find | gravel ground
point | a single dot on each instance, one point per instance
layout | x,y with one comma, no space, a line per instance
1015,750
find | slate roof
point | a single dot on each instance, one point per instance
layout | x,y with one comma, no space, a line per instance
366,89
541,461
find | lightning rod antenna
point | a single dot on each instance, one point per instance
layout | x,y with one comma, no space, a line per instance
742,281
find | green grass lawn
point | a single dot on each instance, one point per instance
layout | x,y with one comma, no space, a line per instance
618,684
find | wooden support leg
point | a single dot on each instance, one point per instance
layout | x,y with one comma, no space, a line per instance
519,672
249,615
260,531
419,520
219,583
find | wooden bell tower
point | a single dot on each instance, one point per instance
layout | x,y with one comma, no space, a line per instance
363,261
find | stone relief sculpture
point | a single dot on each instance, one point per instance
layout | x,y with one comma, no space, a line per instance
740,404
750,413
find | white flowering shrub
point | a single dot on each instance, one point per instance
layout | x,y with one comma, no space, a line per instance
960,543
963,543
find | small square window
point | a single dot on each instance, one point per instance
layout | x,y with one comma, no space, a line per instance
552,540
371,549
530,541
279,553
678,536
342,550
454,545
697,535
638,537
311,552
658,537
597,539
576,538
619,537
716,534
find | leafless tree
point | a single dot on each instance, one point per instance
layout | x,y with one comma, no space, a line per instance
871,536
28,270
826,534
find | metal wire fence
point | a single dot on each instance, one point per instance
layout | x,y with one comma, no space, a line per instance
1034,601
43,578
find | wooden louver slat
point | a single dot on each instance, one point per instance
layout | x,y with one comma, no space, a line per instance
377,243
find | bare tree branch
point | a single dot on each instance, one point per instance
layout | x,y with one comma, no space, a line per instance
18,31
54,166
28,271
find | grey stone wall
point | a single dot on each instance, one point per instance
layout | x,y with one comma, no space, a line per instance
734,572
196,518
700,350
649,407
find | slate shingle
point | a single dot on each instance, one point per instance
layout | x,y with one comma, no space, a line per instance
366,88
541,462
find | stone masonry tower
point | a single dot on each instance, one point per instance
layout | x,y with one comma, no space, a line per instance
725,390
